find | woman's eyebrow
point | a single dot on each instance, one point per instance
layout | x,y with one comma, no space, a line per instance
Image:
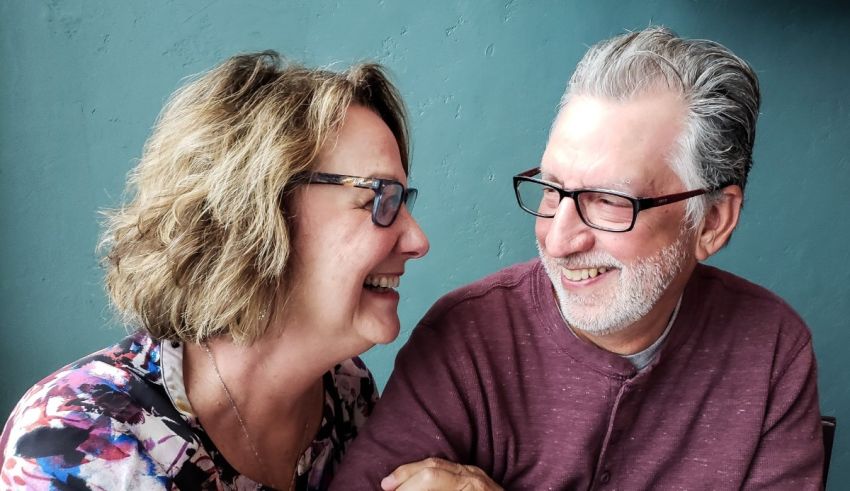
384,176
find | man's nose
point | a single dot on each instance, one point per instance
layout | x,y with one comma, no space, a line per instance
567,232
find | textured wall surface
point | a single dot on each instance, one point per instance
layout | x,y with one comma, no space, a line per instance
82,83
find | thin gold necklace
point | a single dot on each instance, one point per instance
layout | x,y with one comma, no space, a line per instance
244,427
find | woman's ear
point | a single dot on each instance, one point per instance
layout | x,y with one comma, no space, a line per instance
719,222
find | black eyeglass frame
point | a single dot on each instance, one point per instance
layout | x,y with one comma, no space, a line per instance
638,203
378,185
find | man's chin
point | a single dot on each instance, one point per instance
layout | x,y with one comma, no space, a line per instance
594,330
595,320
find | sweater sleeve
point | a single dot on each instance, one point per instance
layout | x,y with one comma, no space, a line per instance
790,453
423,412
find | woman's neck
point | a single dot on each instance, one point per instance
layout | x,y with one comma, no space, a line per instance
260,400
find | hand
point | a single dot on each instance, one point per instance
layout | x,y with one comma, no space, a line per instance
437,474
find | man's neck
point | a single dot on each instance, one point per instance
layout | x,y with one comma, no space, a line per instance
641,334
643,358
625,342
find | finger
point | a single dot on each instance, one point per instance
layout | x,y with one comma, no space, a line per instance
434,479
404,472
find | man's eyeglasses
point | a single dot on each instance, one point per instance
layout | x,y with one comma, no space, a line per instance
601,209
389,194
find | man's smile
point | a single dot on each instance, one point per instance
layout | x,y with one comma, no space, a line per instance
583,274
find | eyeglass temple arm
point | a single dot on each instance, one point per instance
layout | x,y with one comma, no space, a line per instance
530,172
646,203
355,181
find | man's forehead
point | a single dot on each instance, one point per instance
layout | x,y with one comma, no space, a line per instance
571,166
616,144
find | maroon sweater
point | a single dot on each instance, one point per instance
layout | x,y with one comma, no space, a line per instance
492,377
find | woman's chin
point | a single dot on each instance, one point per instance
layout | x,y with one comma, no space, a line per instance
381,332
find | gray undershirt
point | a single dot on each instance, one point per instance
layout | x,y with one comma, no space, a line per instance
643,358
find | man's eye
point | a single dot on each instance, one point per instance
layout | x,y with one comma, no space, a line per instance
614,202
551,197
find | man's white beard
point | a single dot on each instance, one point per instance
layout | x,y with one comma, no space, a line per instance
639,287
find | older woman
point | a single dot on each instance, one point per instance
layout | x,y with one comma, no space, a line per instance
269,226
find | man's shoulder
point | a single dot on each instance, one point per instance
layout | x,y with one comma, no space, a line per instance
731,285
511,285
749,306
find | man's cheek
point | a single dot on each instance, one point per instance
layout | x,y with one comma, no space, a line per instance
541,230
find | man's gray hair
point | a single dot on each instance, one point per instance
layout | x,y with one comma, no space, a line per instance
720,89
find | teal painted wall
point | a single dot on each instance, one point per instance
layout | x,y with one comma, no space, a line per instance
82,82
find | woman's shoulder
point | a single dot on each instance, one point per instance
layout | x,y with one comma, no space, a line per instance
103,417
111,382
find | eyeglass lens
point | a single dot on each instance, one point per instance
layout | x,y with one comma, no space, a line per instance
390,200
388,204
606,210
598,209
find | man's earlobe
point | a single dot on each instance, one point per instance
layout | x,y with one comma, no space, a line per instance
720,221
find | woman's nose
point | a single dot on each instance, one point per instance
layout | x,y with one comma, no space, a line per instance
413,243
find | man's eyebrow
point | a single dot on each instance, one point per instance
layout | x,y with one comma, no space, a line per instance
546,176
623,185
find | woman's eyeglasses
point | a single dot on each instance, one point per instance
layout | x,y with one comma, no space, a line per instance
389,193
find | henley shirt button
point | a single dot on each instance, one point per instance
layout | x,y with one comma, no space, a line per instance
604,477
175,344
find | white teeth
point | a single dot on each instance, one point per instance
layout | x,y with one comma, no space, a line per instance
583,274
382,281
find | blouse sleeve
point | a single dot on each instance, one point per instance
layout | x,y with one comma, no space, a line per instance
77,431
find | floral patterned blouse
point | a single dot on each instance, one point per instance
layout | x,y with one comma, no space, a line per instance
120,419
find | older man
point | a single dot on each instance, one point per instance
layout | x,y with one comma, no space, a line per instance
616,360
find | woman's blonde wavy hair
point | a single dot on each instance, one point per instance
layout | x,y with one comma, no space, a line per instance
202,247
